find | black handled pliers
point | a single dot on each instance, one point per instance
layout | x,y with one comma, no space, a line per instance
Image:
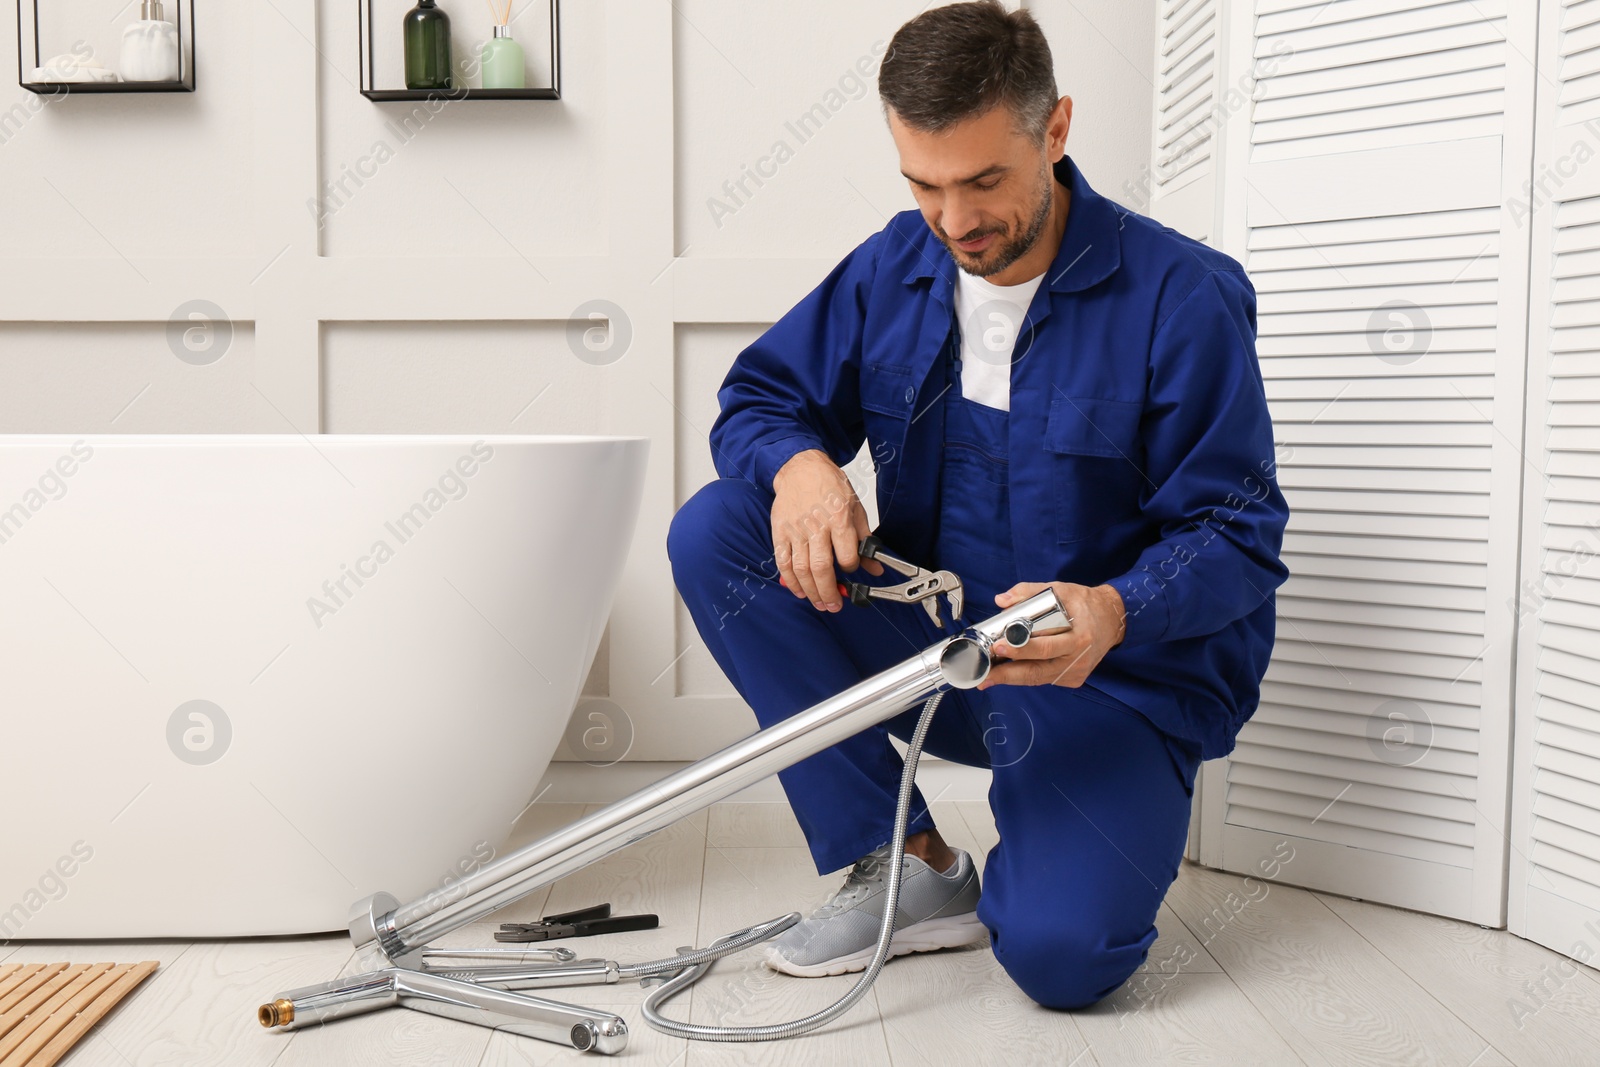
581,923
924,586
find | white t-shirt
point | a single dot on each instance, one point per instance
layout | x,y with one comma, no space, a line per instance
990,317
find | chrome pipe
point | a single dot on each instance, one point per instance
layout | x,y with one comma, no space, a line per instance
581,972
387,932
584,1029
440,959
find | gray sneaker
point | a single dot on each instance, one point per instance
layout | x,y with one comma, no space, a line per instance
936,911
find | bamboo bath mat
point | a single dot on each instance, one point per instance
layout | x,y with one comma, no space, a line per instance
46,1008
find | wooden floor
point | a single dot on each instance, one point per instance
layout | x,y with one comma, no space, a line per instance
1266,974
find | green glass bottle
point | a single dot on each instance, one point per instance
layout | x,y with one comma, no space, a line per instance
427,37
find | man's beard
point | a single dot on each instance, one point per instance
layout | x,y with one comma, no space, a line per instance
1006,252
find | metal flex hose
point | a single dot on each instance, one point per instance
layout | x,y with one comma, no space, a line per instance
699,962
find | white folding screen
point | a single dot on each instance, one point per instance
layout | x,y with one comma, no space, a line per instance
1555,863
1365,164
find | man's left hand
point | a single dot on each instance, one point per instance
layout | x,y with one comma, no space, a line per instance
1062,657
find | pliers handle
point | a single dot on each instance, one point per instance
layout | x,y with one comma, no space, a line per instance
924,586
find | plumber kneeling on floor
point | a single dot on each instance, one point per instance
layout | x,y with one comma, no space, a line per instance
1054,390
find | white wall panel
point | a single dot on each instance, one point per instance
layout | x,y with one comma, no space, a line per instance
781,147
122,377
459,377
489,178
134,176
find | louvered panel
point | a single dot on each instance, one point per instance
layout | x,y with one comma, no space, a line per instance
1580,360
1356,613
1343,543
1563,823
1565,612
1331,433
1464,648
1572,483
1575,591
1391,387
1562,664
1387,466
1573,790
1355,524
1421,505
1368,568
1281,697
1355,75
1568,691
1398,456
1573,889
1578,541
1561,849
1380,687
1346,752
1341,795
1185,147
1579,74
1382,593
1385,480
1293,646
1368,794
1354,825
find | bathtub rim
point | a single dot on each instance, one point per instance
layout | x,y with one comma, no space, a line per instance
297,437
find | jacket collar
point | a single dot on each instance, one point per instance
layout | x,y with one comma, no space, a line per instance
1090,252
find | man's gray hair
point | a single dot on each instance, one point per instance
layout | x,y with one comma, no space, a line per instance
956,62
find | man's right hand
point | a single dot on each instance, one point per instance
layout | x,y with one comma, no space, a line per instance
817,519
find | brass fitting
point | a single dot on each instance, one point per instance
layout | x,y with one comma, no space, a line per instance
278,1013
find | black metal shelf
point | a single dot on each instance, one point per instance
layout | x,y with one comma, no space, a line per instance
28,26
370,90
461,94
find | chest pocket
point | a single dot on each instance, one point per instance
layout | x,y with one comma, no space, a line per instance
887,390
1097,464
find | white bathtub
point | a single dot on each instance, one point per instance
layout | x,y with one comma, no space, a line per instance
395,630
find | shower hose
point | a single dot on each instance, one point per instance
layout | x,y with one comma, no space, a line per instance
688,967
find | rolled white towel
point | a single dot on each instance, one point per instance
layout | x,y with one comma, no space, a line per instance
72,67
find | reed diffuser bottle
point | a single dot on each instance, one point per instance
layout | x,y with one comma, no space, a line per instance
427,40
504,66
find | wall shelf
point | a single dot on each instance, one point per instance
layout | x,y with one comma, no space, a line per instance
389,84
49,37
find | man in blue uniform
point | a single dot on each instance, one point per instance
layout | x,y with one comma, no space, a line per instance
1054,390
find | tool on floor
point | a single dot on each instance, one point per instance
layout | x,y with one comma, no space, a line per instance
393,937
584,922
46,1008
924,586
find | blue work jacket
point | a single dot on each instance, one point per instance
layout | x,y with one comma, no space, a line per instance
1141,449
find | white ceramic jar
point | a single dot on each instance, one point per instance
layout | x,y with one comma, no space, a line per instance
149,47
